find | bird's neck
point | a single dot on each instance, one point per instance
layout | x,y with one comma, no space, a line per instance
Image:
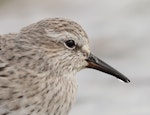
57,94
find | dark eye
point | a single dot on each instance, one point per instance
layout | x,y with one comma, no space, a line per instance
70,44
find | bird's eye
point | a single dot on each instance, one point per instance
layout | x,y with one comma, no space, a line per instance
70,44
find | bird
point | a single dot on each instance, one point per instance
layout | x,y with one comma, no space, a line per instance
38,67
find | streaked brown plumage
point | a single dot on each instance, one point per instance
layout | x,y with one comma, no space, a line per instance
38,67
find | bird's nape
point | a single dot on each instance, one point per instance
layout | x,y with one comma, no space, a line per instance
96,63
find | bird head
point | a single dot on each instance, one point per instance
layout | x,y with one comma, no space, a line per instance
67,46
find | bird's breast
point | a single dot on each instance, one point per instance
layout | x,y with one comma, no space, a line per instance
60,96
56,97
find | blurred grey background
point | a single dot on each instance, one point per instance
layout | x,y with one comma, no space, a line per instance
119,33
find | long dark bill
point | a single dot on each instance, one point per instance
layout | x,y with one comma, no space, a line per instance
95,63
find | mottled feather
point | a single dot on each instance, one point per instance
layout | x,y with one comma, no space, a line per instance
37,71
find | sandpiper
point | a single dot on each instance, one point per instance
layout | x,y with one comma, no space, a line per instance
38,67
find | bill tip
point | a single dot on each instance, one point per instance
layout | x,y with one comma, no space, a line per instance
127,81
